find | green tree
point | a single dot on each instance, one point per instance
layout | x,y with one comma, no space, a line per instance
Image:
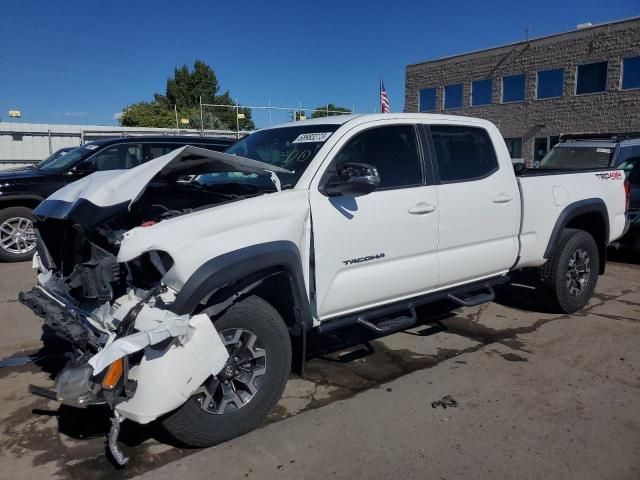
184,90
333,110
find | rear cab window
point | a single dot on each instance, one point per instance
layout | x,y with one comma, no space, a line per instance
463,153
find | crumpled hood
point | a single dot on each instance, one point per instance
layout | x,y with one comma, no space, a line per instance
194,238
116,189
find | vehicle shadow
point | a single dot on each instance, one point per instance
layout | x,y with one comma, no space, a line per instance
624,255
523,293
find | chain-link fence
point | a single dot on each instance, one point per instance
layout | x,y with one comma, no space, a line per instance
244,118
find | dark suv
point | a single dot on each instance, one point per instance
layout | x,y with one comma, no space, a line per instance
618,152
21,190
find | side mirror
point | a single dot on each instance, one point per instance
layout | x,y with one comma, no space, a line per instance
519,168
84,168
353,180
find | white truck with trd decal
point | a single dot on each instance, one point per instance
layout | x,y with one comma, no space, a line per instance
189,285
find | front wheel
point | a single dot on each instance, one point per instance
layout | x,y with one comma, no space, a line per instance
570,275
236,400
17,238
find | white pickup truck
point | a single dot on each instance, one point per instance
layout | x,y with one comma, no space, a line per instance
189,285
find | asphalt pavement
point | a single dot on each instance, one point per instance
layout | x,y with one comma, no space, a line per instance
529,394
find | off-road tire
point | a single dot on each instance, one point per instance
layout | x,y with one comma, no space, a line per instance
15,212
553,274
191,425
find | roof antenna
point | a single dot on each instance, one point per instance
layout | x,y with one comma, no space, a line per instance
527,31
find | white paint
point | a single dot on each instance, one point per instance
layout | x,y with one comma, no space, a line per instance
166,379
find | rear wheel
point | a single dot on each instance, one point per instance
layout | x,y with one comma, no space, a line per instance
17,238
236,400
571,273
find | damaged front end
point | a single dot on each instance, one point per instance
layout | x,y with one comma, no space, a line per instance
129,350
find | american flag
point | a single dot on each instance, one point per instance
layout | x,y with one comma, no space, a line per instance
384,100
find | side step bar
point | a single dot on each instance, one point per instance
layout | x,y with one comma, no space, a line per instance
390,318
389,325
471,299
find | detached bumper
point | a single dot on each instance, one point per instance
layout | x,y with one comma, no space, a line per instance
166,357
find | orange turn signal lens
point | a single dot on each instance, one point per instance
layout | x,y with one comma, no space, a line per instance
114,372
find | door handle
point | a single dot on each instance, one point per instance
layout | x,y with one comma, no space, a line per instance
502,198
422,208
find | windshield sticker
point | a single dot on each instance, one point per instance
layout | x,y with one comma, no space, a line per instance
312,137
91,147
603,150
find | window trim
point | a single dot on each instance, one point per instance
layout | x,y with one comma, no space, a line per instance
524,98
606,79
435,103
622,75
434,157
426,180
471,92
444,96
537,97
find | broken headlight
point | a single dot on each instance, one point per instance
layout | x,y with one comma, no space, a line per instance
147,270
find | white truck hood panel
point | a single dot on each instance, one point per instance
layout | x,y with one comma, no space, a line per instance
197,237
113,187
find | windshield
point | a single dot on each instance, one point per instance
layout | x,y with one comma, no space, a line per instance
61,163
577,158
291,148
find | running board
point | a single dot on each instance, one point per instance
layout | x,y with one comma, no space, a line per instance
472,299
465,295
389,325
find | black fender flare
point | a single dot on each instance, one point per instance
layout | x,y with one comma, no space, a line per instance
574,210
238,264
245,263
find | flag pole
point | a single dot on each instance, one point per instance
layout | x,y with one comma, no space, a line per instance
380,93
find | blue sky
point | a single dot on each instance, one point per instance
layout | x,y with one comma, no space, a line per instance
83,61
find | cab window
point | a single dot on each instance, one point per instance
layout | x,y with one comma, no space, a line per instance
630,163
392,150
463,153
118,157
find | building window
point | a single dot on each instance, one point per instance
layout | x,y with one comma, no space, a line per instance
428,100
453,96
550,83
513,88
481,92
515,147
631,73
541,147
592,78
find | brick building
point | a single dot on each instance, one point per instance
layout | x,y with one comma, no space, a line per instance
585,81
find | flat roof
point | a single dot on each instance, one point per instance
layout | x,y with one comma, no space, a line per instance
531,40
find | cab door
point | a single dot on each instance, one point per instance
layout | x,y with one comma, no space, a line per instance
479,205
380,247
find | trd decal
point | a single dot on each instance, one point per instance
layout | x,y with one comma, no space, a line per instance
609,175
368,258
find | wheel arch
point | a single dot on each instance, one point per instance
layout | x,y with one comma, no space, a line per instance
589,215
28,201
272,271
